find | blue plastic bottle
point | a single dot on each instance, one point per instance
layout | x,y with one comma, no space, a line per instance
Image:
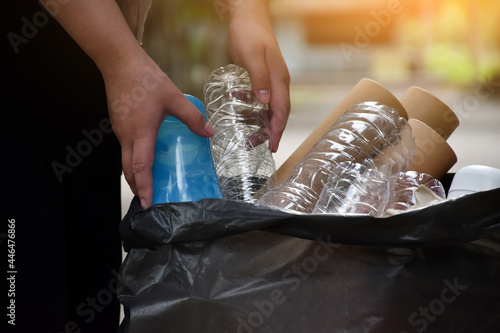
183,168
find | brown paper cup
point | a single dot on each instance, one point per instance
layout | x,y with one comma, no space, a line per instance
422,105
432,155
364,91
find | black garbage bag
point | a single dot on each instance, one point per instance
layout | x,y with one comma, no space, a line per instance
221,266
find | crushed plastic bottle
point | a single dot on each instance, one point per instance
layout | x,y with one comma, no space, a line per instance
354,188
183,168
240,146
367,131
402,187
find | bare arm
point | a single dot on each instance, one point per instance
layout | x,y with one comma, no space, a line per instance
139,94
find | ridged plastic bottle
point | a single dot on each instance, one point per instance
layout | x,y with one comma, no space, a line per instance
354,188
183,168
240,145
367,131
402,186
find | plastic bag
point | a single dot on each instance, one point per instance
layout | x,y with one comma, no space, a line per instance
221,266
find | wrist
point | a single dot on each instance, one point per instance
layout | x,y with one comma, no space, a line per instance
117,59
235,10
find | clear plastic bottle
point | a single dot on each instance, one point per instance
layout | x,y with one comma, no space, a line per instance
402,186
354,188
367,131
183,168
240,146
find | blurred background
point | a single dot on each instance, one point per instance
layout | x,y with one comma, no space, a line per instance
449,47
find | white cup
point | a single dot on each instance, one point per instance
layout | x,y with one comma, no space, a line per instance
472,179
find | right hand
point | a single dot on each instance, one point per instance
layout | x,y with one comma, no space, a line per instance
140,96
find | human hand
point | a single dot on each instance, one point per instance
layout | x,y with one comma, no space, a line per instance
140,96
253,47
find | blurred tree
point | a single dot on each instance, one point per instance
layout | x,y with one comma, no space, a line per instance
458,40
188,39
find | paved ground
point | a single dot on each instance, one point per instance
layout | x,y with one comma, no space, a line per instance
475,141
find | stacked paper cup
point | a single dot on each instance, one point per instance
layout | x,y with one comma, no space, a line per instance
366,90
431,120
432,123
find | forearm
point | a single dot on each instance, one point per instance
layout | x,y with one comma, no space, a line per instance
100,29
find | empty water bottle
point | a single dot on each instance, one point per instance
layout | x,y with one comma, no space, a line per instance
403,185
367,131
240,145
354,188
183,168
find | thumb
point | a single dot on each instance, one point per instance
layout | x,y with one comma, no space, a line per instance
192,118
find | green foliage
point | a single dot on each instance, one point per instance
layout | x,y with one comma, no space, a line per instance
187,38
452,62
458,39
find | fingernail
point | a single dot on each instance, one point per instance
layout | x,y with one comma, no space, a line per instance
144,205
263,96
209,129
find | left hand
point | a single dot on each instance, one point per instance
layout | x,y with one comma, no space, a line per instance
254,47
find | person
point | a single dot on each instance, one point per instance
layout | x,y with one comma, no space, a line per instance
71,79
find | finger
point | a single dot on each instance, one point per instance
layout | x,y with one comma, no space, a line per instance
280,100
260,120
259,77
142,165
127,167
186,112
258,138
